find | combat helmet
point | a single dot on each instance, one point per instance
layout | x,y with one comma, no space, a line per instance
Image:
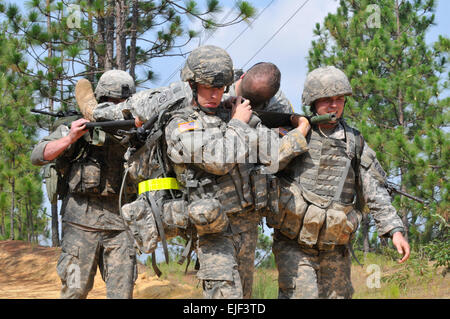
208,65
325,82
115,84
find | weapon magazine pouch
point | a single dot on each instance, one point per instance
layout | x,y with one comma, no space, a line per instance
139,218
337,228
208,216
293,207
228,195
85,176
51,182
273,196
259,184
175,217
312,223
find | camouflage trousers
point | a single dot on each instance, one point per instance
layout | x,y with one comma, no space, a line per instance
309,274
227,260
83,251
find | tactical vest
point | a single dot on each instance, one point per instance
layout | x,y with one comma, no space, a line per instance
98,170
323,167
233,189
318,193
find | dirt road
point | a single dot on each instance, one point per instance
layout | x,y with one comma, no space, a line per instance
29,272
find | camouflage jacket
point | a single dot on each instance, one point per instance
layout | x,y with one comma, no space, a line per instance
92,210
372,177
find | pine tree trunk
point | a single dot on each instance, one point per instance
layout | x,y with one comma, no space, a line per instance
11,213
55,226
134,21
2,228
109,37
121,11
101,40
2,212
91,43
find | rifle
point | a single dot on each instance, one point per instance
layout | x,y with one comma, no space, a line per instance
392,189
57,114
111,126
278,119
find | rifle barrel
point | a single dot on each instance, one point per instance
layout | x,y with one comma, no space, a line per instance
44,112
111,124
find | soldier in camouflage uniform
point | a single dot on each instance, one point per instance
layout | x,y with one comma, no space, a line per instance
260,84
93,232
209,148
318,215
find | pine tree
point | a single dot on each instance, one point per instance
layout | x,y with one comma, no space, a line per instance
398,100
19,180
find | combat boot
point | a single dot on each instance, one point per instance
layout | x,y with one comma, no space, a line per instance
85,98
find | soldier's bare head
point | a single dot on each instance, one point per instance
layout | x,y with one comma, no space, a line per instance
260,83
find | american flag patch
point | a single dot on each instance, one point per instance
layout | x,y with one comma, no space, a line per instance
186,126
282,131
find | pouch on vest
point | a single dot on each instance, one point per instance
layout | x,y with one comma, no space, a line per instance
175,217
291,209
312,223
207,216
228,195
51,182
85,177
333,229
259,188
139,218
273,196
340,224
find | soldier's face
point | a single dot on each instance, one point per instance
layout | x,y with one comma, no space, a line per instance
333,104
209,96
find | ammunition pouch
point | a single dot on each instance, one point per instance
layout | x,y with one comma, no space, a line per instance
143,226
50,175
141,223
207,216
85,177
265,191
311,220
175,217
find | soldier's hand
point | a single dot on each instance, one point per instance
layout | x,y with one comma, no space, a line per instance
77,129
241,110
138,122
402,246
301,123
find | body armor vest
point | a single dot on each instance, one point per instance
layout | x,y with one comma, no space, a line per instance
233,189
318,191
323,168
98,169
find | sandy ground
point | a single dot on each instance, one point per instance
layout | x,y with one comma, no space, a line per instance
29,272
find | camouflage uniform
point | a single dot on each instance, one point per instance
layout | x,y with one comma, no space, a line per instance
238,243
278,103
244,225
93,233
312,234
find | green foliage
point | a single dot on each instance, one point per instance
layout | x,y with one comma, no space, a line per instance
439,251
20,183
